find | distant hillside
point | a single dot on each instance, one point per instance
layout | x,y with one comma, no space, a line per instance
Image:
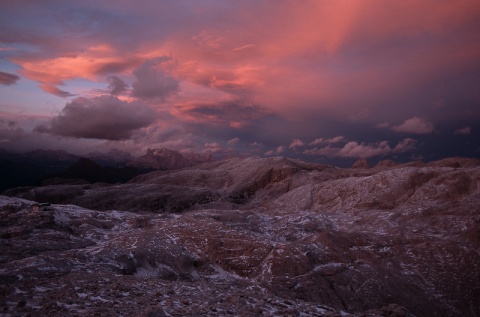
112,158
28,169
92,172
31,168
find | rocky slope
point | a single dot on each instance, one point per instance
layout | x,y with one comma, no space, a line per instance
249,237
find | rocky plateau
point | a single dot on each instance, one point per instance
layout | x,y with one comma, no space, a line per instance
248,237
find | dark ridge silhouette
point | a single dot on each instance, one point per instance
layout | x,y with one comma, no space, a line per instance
28,169
37,167
92,172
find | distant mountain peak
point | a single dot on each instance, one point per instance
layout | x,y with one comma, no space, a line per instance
161,152
361,163
166,159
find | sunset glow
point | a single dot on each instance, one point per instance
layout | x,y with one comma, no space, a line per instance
316,80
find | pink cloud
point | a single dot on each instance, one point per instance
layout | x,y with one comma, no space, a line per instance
382,125
265,62
217,149
166,135
415,125
279,150
85,64
354,149
297,143
463,131
405,145
233,141
327,151
244,47
240,79
333,140
313,63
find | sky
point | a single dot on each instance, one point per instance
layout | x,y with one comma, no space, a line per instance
322,81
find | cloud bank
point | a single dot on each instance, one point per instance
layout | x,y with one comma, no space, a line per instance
152,81
415,125
354,149
361,74
116,85
104,117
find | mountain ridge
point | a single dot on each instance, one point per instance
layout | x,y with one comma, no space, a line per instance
34,167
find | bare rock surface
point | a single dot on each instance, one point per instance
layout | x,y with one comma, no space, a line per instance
249,237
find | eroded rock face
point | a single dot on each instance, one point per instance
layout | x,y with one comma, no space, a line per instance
251,236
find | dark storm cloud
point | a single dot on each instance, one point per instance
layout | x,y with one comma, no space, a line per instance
116,86
8,79
103,117
236,114
56,91
234,126
153,81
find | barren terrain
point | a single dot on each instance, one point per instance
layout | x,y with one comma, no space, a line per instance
248,237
